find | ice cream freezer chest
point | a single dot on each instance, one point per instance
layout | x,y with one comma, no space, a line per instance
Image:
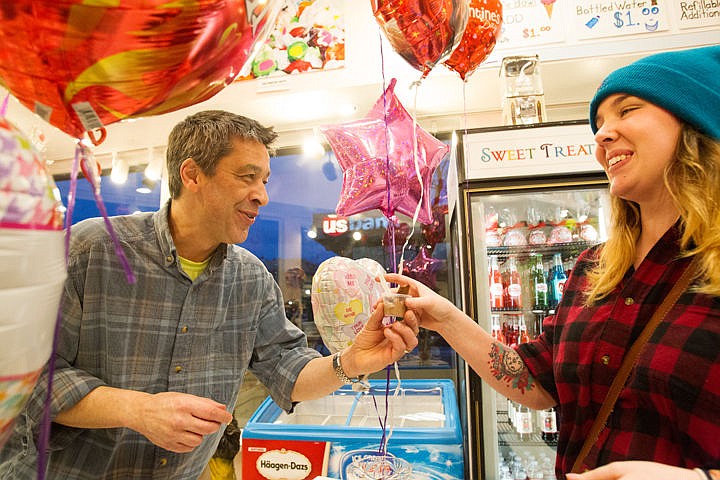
342,436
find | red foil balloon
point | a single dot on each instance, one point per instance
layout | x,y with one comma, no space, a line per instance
479,38
377,154
434,231
423,32
82,65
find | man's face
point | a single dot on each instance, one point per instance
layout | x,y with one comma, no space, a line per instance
231,198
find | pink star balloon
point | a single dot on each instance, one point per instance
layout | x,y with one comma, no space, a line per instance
377,157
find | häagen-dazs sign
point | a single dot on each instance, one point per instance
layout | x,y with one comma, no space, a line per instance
283,464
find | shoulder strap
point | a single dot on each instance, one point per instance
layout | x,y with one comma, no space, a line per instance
629,362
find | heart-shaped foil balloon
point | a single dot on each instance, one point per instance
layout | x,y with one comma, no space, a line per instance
343,294
479,38
423,32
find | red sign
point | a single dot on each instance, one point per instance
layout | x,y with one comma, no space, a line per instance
284,459
334,225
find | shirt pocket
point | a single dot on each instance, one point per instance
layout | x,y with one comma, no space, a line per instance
230,351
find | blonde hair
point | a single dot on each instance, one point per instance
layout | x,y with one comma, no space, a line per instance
693,181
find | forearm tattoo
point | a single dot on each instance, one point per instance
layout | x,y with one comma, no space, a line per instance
507,366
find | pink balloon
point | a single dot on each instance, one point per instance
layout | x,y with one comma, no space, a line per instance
424,267
377,157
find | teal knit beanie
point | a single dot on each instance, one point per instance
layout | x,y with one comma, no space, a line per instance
686,83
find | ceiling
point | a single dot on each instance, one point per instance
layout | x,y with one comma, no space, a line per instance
441,102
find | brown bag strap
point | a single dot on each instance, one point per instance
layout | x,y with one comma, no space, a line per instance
629,362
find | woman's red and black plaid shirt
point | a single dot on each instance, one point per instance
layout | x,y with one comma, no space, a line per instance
669,410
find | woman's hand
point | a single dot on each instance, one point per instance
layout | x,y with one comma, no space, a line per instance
633,470
425,307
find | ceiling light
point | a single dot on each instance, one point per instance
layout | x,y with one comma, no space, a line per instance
120,169
153,171
147,186
312,148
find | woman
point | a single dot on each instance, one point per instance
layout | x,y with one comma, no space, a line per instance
657,129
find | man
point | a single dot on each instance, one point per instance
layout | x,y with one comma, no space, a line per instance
148,373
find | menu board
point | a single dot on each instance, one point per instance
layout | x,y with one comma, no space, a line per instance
562,29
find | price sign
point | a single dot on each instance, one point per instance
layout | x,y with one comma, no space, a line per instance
609,18
527,23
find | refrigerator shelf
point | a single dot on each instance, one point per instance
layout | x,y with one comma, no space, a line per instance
571,249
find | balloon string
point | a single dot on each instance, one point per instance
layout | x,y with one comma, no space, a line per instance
416,163
44,436
464,107
391,217
95,183
391,226
389,407
465,131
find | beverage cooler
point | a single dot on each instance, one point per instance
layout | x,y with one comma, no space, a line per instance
530,198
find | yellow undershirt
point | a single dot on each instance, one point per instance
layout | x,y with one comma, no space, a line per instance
193,269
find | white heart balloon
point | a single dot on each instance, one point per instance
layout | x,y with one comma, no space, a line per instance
343,294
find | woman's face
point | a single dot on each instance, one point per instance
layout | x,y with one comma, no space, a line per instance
636,141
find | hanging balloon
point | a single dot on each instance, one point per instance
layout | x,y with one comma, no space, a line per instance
424,267
32,270
28,197
434,231
90,64
377,154
479,37
343,295
423,32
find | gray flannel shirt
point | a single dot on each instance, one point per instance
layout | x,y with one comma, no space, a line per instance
164,333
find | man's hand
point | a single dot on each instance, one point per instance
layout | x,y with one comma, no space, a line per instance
632,470
377,346
179,421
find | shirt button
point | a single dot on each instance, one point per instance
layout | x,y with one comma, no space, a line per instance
163,462
605,359
629,301
184,329
178,369
169,258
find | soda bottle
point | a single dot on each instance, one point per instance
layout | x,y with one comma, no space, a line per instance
539,283
537,325
524,424
514,287
522,327
549,431
558,278
496,286
496,330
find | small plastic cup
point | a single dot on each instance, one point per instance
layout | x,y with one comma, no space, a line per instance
394,304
